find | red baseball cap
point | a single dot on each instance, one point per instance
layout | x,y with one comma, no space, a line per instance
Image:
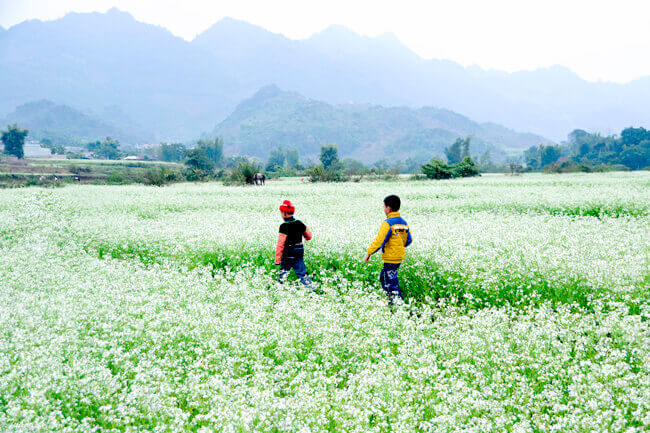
287,206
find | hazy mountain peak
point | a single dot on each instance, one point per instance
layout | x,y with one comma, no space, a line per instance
114,11
271,92
369,132
336,30
236,31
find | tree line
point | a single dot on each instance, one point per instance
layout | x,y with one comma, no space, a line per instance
584,151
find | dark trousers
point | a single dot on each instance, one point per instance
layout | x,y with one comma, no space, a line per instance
294,259
389,281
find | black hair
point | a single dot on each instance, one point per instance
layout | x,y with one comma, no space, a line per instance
393,202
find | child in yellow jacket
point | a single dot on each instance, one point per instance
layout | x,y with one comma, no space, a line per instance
393,238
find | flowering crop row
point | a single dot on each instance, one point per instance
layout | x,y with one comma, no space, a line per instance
134,308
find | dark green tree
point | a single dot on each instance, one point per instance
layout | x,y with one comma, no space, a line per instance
107,149
171,152
634,136
454,153
197,159
213,149
531,157
276,159
14,140
437,169
292,156
465,148
548,154
329,156
466,168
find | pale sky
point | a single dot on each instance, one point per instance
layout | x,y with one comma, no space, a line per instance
602,40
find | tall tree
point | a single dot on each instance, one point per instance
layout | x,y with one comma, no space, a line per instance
465,148
276,159
107,149
485,159
454,153
14,140
548,154
531,157
198,160
172,152
292,156
329,155
213,149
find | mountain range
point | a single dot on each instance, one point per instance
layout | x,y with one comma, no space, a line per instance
65,125
274,117
177,89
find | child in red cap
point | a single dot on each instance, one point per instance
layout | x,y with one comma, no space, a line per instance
289,251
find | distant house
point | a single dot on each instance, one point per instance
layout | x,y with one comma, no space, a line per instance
133,158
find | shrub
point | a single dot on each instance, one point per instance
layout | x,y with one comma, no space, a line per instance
437,169
319,173
157,177
243,173
466,168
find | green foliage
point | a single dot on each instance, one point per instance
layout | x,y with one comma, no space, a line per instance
537,157
197,159
292,158
329,156
158,176
56,149
171,152
107,149
244,173
353,166
437,169
319,173
213,149
587,151
14,140
466,168
276,159
458,150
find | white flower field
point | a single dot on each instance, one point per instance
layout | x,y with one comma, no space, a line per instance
134,308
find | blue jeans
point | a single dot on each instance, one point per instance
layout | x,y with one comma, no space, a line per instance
294,259
389,281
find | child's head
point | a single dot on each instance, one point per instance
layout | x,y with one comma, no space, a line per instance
392,203
287,209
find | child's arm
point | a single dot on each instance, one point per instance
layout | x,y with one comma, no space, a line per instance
409,239
380,240
279,247
307,234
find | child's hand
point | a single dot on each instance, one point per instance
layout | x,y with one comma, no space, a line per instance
366,258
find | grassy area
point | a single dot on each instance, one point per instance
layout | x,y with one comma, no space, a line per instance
55,172
131,308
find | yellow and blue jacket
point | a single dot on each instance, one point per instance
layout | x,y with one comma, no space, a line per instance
393,238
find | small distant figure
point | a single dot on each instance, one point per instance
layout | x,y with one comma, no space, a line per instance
259,178
289,251
393,238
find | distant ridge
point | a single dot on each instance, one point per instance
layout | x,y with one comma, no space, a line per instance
64,125
273,117
178,89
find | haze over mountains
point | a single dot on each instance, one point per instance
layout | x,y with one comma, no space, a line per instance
67,126
367,132
177,89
